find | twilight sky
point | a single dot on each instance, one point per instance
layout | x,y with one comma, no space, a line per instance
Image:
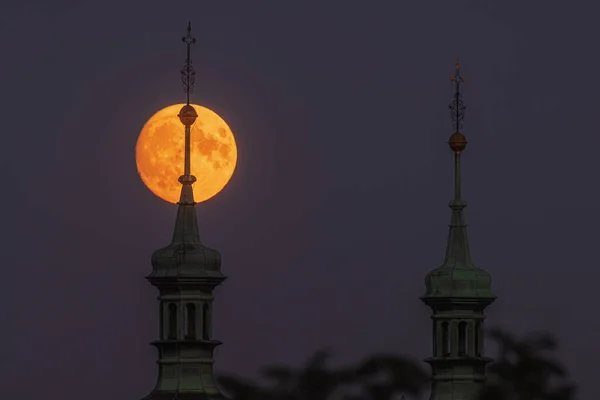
338,207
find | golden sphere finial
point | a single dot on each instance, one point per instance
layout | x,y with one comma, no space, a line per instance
187,115
457,142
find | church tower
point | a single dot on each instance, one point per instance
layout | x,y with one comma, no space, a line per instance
186,274
458,293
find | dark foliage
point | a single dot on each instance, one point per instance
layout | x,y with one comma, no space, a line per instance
378,377
525,369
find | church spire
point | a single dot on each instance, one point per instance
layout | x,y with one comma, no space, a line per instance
457,293
186,273
441,282
457,250
186,227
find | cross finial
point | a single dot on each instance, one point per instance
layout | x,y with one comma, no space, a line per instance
188,75
457,108
457,78
188,39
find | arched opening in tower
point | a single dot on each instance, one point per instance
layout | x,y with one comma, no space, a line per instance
445,339
477,337
190,329
172,322
462,338
205,322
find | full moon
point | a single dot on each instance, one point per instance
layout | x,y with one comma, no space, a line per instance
159,153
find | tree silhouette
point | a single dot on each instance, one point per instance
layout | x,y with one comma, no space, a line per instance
526,369
312,382
382,377
378,377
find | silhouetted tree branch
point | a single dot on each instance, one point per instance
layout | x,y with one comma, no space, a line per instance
402,375
525,369
378,377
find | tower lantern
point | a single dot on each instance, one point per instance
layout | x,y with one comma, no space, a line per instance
186,273
457,293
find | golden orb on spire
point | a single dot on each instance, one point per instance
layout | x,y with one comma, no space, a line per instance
187,115
457,142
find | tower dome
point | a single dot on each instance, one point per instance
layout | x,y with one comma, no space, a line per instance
458,281
186,258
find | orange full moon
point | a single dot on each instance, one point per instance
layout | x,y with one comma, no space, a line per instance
159,153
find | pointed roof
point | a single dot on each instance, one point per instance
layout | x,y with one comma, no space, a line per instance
186,256
458,277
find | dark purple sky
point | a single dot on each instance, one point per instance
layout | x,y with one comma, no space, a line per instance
338,207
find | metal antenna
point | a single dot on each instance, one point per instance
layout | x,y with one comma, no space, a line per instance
188,75
457,108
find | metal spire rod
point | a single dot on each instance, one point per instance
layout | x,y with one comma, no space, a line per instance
457,186
457,108
457,140
188,75
187,116
457,249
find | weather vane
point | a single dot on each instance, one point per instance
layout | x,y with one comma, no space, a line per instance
457,108
188,75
